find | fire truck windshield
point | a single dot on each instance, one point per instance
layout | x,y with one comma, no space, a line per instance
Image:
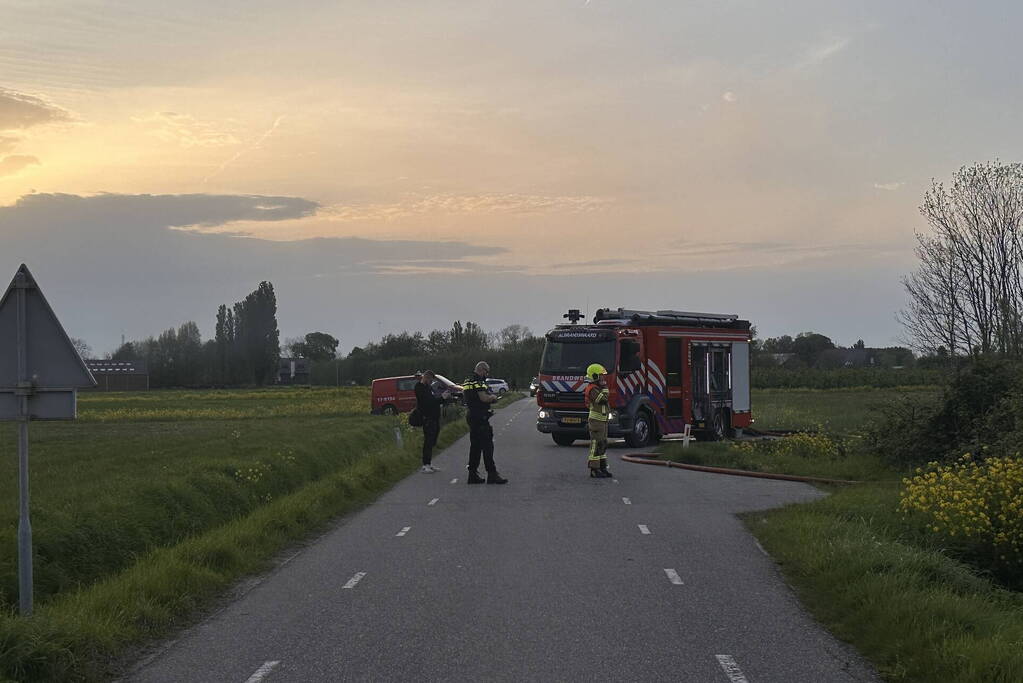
572,357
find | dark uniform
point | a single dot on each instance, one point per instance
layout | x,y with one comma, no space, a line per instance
429,406
481,434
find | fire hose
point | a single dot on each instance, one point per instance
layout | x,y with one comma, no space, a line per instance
653,459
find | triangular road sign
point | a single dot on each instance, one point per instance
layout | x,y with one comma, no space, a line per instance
52,360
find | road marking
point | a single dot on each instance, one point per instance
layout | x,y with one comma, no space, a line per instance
433,502
615,480
761,547
354,580
261,672
627,501
454,481
731,669
404,530
673,577
643,529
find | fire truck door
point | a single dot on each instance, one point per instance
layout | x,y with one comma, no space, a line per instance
701,386
673,364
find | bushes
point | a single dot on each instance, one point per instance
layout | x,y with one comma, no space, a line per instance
978,411
976,506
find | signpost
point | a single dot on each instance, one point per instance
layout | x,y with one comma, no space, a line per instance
40,372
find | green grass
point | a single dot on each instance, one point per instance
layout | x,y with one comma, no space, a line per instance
849,467
836,411
917,614
137,522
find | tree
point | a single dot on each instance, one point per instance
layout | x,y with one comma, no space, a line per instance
320,346
967,292
859,344
222,341
809,345
127,351
512,335
257,336
782,344
295,347
82,347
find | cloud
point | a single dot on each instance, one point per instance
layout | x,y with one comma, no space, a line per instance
158,236
821,52
449,204
188,131
745,254
729,97
130,261
888,186
20,111
16,162
7,144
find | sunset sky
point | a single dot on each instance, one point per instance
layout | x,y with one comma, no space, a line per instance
399,164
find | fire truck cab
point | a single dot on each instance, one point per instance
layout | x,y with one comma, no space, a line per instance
666,369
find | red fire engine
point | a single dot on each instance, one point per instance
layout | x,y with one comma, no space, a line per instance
666,369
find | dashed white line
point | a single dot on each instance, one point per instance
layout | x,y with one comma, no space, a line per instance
673,577
262,671
627,501
731,669
433,502
643,529
404,530
455,480
761,548
354,580
615,481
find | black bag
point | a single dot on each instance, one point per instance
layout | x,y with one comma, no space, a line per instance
415,418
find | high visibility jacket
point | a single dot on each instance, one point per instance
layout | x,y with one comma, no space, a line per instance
470,395
599,401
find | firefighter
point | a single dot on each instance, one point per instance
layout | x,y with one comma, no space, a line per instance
599,402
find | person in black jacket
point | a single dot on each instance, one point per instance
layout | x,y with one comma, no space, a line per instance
429,405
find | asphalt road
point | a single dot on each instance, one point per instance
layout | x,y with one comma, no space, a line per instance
552,577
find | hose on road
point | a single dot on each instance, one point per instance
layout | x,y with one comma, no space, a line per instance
654,459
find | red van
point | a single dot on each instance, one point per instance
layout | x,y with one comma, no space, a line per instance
393,395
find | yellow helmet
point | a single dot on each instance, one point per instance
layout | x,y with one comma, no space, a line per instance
595,370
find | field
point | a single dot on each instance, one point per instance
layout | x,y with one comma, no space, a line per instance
836,411
152,502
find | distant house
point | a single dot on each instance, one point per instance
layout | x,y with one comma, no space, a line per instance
119,375
293,371
847,358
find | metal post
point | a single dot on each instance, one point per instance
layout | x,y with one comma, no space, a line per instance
24,390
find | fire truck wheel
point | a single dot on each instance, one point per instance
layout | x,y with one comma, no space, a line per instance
389,410
719,428
642,432
562,439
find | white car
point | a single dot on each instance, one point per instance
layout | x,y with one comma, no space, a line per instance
497,386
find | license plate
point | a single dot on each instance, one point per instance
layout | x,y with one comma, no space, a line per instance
572,420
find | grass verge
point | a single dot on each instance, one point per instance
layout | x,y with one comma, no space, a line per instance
858,466
917,614
79,634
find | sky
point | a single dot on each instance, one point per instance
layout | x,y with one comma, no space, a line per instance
399,165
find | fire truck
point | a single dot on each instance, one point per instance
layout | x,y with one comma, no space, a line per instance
666,370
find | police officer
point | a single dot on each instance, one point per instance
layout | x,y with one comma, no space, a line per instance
481,435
